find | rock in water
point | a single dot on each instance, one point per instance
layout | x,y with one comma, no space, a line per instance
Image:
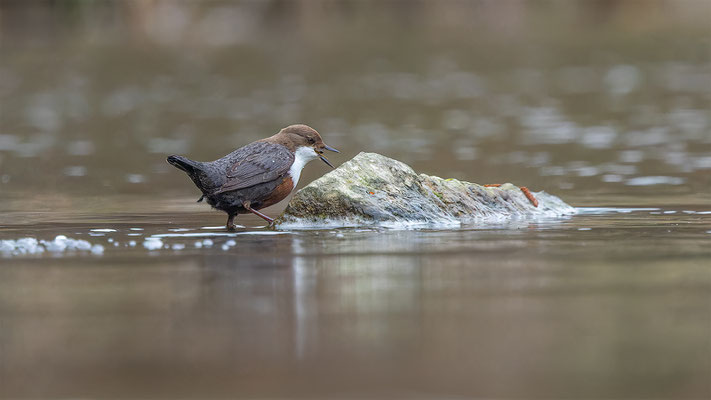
372,189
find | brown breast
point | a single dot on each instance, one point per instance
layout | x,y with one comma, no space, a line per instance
279,193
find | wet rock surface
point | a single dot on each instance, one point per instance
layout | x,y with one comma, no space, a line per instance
372,189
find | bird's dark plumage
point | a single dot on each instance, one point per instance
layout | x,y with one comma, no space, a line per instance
256,163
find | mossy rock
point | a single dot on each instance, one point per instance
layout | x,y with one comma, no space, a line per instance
372,189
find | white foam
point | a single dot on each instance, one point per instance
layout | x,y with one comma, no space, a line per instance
309,224
152,243
60,244
97,249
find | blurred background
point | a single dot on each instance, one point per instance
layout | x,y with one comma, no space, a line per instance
604,103
594,100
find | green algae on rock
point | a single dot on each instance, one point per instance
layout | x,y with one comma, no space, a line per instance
372,189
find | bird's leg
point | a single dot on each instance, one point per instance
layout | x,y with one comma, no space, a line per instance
230,223
525,191
247,207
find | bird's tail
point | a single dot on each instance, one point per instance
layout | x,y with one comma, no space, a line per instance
184,164
195,170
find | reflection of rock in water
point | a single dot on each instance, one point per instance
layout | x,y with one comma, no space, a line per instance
373,189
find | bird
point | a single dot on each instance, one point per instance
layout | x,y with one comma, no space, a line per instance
257,175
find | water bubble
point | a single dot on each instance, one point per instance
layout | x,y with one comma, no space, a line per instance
135,178
622,79
152,243
76,170
80,148
612,178
631,156
598,137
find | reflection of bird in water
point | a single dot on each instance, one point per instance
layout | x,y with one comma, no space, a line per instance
257,175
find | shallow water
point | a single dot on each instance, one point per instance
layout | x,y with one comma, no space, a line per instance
610,302
606,108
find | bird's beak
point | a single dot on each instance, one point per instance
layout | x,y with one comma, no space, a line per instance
322,157
329,148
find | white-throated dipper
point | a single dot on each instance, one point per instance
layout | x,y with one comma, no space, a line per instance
257,175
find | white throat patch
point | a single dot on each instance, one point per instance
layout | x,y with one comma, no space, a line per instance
302,156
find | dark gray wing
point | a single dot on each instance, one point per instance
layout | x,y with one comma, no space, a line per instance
255,163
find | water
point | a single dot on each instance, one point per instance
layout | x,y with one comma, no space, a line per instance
607,108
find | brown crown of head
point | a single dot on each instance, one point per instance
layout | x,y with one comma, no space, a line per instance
295,136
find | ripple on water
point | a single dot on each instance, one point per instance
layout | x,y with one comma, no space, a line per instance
655,180
611,210
214,234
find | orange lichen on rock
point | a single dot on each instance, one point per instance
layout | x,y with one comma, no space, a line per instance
525,191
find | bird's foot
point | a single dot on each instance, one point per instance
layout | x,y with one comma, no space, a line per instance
525,192
231,227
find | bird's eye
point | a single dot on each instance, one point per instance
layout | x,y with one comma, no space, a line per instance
311,140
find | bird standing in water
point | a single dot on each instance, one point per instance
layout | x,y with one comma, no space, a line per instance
257,175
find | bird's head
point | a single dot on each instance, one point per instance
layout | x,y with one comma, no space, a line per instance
304,136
